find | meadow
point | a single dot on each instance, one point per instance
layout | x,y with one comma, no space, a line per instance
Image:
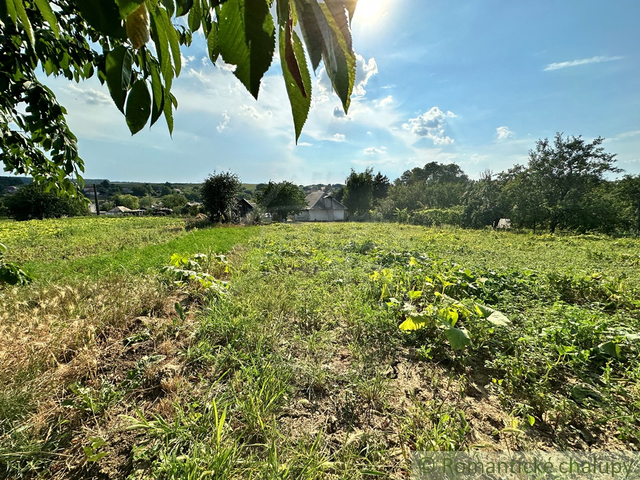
309,351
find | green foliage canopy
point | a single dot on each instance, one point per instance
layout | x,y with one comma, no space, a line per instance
281,199
33,202
219,192
112,39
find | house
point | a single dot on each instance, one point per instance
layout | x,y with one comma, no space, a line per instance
119,210
244,207
504,223
322,208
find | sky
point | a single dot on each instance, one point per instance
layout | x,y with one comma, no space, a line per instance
473,82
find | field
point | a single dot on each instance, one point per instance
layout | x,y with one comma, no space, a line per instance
309,351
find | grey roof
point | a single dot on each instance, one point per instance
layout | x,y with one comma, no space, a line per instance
315,201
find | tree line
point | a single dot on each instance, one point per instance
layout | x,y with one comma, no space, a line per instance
564,186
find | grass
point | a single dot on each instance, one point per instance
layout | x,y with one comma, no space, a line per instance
299,368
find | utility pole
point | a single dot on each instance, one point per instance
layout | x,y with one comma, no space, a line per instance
95,194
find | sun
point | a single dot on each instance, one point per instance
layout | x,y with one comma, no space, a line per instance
368,11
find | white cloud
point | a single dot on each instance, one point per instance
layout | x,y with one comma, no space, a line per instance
385,101
305,144
89,95
576,63
431,125
374,151
338,112
364,71
224,124
186,60
503,133
339,137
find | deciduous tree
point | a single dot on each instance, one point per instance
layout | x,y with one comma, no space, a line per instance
134,46
281,199
219,192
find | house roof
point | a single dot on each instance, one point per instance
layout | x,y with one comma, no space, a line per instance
120,209
315,201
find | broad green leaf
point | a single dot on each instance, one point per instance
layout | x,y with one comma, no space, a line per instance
161,40
413,323
138,106
168,112
296,74
157,106
449,316
118,72
48,15
339,61
580,393
385,292
311,21
212,43
499,319
493,316
339,13
458,338
610,348
632,337
170,6
103,15
195,16
414,294
183,7
174,42
127,7
246,39
24,19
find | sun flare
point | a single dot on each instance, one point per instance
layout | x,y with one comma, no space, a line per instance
369,11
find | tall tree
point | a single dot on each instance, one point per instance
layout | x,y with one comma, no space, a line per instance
112,38
630,190
563,172
33,202
358,192
219,192
281,199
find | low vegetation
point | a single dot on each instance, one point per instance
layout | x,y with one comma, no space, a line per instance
316,351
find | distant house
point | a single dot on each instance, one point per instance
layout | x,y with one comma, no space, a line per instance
120,210
244,207
504,223
322,208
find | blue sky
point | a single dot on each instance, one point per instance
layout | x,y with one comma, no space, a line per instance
471,82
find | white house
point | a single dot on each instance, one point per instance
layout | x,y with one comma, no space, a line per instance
322,208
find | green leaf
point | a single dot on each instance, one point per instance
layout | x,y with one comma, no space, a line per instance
580,393
296,74
212,43
458,338
413,323
174,42
495,317
161,40
48,15
195,16
610,348
339,14
127,7
183,7
103,15
322,33
138,106
158,94
118,72
246,39
24,19
414,294
168,112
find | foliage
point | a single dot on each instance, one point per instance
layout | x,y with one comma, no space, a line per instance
436,217
34,202
174,200
10,273
564,172
358,193
111,38
126,200
219,192
281,199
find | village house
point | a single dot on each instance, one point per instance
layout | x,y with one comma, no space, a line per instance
322,207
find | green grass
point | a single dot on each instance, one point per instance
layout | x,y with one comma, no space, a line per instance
300,368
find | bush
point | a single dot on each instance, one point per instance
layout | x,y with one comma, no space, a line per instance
435,217
33,202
